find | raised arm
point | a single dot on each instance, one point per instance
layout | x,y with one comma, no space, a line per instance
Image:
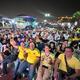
13,43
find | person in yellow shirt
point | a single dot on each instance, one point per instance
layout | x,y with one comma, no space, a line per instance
30,61
33,59
33,54
75,38
21,48
65,63
47,61
21,57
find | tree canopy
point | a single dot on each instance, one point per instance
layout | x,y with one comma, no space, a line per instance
76,15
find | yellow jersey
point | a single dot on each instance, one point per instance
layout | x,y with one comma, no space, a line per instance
21,53
73,63
47,59
33,55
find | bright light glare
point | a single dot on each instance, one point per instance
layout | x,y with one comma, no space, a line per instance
47,15
45,20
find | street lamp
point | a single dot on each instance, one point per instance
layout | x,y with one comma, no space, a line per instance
47,14
47,17
45,21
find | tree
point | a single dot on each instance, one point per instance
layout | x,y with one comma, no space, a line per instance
76,17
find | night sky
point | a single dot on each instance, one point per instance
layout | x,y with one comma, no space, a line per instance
36,8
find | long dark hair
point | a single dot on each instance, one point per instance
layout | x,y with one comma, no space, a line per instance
53,45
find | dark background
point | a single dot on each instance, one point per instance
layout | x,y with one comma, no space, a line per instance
37,8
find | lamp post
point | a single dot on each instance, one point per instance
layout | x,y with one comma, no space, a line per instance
46,17
47,14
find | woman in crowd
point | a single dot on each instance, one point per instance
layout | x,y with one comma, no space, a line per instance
46,64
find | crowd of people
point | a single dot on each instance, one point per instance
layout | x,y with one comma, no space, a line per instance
40,54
